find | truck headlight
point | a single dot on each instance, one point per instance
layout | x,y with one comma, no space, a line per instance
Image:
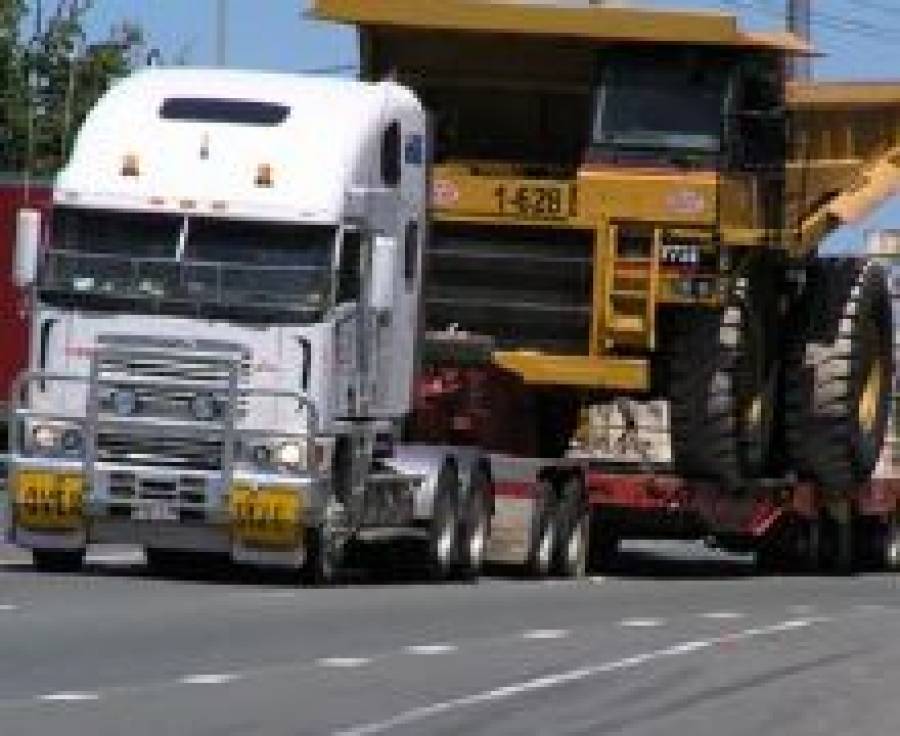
292,454
44,437
57,440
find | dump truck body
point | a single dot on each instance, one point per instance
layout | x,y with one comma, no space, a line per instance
617,191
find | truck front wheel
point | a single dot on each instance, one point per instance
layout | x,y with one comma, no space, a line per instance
323,558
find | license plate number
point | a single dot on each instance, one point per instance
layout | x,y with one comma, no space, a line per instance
535,202
268,518
48,499
155,511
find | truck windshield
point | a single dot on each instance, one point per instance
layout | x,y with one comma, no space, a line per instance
173,264
659,106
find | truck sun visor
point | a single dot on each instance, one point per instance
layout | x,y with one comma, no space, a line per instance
217,110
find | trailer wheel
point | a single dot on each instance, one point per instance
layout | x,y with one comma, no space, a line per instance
443,540
58,560
838,373
543,533
572,535
722,385
476,526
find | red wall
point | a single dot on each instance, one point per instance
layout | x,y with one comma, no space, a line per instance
13,319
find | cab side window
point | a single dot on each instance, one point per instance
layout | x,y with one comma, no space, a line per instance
411,254
391,156
349,270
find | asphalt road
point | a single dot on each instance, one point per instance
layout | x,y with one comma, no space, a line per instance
694,647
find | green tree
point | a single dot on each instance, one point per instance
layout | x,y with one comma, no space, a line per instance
53,77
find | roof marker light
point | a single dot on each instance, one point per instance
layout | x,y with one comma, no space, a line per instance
264,176
131,165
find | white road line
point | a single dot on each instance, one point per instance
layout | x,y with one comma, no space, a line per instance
642,623
343,662
69,696
220,678
597,579
8,607
430,649
542,634
721,615
417,715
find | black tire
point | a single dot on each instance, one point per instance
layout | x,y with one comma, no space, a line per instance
570,558
58,560
542,547
838,373
164,562
475,528
722,385
323,559
443,542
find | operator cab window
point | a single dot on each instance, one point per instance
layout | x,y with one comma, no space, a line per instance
667,105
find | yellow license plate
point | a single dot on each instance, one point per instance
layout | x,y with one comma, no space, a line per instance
269,518
45,500
534,202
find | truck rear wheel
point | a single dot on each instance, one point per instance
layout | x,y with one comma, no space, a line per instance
476,526
722,385
838,373
58,560
443,543
543,533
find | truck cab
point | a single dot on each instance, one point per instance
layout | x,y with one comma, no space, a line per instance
224,313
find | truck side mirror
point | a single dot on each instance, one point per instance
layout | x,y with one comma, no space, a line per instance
28,237
384,273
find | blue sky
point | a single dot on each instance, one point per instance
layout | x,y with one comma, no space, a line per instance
861,39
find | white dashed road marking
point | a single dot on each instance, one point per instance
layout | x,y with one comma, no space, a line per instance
8,607
418,715
343,662
209,679
71,696
430,649
539,634
722,615
641,623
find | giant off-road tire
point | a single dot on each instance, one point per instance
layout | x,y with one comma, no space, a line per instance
838,372
722,386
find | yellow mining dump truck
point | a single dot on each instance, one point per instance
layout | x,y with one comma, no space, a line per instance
631,202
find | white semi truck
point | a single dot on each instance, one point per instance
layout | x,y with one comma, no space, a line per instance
225,308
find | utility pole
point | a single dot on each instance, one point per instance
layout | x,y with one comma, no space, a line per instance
799,22
221,32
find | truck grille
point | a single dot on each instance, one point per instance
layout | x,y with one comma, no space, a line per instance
166,376
523,287
169,451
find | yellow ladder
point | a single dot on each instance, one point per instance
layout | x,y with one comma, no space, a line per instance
629,293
